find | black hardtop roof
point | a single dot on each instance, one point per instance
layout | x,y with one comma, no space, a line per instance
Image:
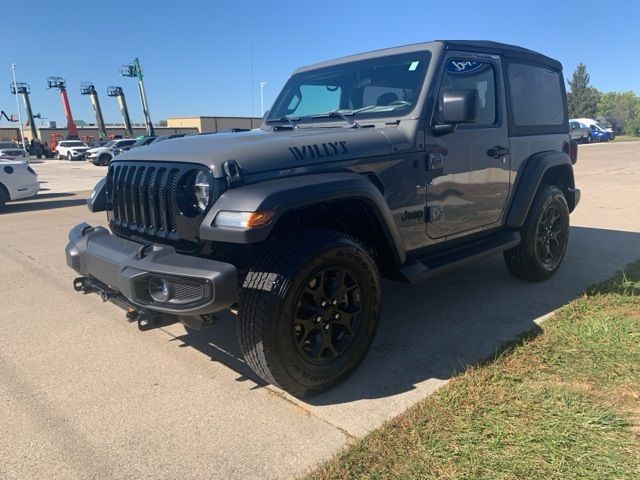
503,49
479,46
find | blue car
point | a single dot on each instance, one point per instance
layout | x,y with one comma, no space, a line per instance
596,135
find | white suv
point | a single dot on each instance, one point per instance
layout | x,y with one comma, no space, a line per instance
71,150
103,155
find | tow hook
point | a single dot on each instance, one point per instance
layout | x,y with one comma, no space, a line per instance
83,284
145,320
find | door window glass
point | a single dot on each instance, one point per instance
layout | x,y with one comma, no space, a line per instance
461,74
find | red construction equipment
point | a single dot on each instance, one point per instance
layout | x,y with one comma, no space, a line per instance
60,84
53,141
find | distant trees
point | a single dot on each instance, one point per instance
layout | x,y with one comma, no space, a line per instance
582,98
620,109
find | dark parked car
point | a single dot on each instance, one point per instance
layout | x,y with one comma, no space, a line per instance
140,142
403,163
168,137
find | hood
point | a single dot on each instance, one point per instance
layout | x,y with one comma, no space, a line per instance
79,149
261,150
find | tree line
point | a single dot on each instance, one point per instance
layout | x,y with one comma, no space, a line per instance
620,109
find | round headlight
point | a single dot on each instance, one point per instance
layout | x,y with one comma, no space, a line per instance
202,187
159,289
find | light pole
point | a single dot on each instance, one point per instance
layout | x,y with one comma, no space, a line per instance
262,84
15,85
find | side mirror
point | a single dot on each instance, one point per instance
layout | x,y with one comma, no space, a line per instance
458,106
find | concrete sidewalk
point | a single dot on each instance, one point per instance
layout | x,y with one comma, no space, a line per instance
83,394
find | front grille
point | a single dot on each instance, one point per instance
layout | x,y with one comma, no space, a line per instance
144,200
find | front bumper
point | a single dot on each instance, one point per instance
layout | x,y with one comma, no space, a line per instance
122,270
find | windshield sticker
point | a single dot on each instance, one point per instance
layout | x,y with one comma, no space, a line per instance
413,66
464,67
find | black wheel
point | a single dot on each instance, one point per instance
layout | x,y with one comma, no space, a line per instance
104,159
309,310
545,234
596,140
57,156
4,196
68,156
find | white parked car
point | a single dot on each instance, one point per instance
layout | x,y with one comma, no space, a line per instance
103,155
12,150
17,180
71,149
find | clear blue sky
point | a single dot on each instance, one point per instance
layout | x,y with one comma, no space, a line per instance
196,54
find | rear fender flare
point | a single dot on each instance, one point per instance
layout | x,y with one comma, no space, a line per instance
529,181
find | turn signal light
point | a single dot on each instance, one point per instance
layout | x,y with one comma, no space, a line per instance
243,219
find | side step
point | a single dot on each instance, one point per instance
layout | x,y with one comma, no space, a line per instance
419,269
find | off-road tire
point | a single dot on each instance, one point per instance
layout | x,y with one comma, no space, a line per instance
270,299
524,260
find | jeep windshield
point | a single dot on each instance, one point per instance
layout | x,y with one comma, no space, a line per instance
380,87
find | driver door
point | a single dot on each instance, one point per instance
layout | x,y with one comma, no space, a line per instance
468,169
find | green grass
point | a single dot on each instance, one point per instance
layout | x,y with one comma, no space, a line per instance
564,404
626,138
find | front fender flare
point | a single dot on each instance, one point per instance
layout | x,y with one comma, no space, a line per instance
287,194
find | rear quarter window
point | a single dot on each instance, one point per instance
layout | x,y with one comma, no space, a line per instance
537,99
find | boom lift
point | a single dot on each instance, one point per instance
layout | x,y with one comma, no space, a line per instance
13,118
60,84
124,111
23,89
135,70
88,88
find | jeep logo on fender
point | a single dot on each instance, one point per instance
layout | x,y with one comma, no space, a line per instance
313,151
408,216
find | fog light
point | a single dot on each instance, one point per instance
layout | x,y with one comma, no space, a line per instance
159,289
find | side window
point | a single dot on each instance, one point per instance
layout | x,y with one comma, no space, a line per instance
536,95
461,74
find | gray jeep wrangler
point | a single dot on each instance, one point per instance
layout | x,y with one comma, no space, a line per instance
404,163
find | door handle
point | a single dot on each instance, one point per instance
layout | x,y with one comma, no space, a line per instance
498,152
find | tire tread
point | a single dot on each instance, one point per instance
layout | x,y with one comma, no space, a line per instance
520,260
265,285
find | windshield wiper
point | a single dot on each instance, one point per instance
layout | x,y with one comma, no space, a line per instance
290,120
338,114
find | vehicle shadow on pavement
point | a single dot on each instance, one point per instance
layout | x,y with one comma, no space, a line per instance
31,205
439,328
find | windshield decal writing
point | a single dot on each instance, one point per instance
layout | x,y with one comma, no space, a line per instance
313,151
464,67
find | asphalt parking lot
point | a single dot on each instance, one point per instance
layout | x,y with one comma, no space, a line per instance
84,394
